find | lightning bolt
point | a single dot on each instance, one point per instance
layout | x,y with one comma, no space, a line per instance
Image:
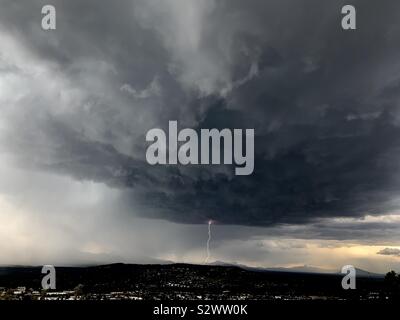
208,241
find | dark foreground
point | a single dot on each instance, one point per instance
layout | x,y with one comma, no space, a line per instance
186,282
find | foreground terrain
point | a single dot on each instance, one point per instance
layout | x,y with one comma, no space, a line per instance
184,281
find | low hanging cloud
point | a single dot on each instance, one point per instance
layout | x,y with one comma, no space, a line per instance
79,100
389,252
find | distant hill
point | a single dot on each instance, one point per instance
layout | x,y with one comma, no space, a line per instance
302,269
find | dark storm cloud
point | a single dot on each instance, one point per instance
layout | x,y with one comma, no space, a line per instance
323,103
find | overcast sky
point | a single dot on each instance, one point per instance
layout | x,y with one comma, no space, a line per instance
77,102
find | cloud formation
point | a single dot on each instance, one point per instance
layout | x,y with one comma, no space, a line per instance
323,102
389,252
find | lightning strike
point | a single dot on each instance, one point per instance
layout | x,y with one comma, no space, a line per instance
208,241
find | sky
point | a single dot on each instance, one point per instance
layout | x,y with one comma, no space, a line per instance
76,104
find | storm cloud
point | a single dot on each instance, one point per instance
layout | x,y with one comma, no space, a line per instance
324,103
